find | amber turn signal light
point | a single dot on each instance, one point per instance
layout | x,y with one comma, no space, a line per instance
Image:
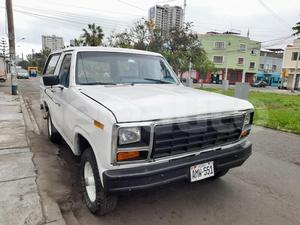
122,156
245,133
98,124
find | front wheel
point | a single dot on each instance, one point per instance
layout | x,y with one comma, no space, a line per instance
97,200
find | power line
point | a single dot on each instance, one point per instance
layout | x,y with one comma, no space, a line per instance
281,42
4,31
134,6
278,39
272,12
96,10
73,19
167,1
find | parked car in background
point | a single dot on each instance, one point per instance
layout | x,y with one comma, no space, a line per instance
3,76
259,83
22,74
135,126
194,80
282,84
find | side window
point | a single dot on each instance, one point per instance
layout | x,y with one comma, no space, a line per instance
51,64
64,72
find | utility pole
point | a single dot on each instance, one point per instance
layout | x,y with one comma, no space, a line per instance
189,80
225,80
12,47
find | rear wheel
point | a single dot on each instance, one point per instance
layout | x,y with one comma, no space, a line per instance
53,135
97,200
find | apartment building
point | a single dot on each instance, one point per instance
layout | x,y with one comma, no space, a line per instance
166,17
270,65
235,57
52,42
291,65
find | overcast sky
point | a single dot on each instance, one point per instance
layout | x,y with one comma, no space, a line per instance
266,19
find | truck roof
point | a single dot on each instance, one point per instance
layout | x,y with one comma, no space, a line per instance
107,49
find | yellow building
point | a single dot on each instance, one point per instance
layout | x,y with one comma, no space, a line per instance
291,65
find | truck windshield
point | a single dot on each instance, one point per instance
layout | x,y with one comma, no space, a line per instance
102,68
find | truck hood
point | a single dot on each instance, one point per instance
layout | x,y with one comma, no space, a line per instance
160,101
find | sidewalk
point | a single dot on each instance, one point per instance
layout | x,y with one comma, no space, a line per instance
20,201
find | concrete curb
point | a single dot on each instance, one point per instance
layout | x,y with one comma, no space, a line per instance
51,209
30,121
71,219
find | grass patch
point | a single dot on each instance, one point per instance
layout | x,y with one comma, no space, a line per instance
272,110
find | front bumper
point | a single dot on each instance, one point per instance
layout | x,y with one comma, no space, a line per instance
144,177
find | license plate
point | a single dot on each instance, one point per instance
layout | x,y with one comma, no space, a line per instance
202,171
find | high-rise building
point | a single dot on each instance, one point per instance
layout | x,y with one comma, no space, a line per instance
52,42
166,17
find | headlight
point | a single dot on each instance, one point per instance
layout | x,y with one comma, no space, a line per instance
128,135
247,118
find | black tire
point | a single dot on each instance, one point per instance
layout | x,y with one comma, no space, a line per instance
220,174
104,202
53,135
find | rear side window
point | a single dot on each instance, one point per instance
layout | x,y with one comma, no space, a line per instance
51,64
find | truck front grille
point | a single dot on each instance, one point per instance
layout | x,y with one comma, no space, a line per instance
183,137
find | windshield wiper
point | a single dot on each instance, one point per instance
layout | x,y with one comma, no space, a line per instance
98,83
158,80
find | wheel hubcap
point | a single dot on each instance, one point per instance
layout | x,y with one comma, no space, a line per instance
89,181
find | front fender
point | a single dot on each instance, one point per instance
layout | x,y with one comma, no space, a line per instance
80,131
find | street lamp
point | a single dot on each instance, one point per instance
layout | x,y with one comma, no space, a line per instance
21,39
18,46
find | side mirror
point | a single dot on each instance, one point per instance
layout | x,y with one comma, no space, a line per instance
50,80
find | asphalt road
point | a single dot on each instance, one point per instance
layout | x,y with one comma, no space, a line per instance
265,190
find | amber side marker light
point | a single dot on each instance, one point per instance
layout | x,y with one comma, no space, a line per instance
122,156
245,133
98,124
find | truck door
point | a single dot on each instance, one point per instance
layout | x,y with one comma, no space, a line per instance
51,93
65,93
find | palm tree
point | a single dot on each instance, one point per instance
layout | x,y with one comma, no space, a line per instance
93,35
296,29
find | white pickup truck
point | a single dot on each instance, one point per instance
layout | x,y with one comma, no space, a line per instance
135,126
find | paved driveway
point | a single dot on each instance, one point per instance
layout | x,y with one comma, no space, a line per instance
266,190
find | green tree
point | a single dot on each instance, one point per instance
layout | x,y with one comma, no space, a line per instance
24,64
296,29
92,36
38,59
120,40
183,47
155,40
180,46
139,34
78,42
